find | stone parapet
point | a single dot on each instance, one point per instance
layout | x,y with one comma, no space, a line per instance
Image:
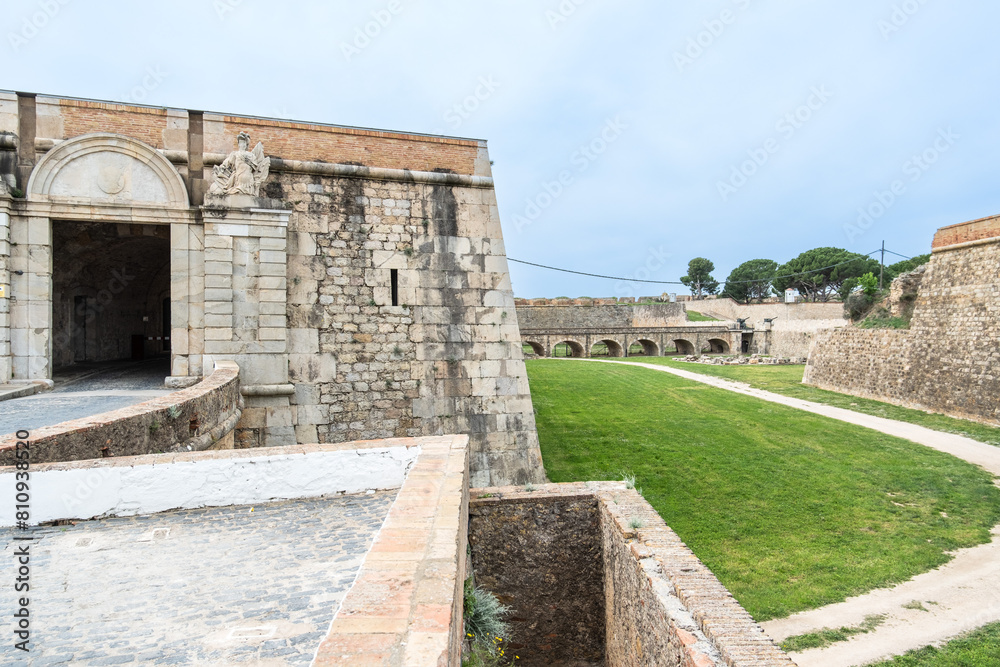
405,608
965,233
200,417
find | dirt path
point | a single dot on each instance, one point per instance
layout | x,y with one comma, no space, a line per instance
959,596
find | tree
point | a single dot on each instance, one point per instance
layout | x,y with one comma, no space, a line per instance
893,271
751,280
820,273
699,278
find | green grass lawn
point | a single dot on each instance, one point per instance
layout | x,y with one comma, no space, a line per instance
695,316
787,380
790,510
981,647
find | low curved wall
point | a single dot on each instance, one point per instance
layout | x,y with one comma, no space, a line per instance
193,419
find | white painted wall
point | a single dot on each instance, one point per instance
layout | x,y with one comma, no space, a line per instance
122,490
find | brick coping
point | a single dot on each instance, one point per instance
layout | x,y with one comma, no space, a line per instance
405,606
257,120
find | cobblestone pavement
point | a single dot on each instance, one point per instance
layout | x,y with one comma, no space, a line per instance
84,390
216,586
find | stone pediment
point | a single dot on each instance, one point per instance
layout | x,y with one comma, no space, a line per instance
100,169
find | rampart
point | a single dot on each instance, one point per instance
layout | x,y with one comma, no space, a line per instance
364,294
948,359
194,419
595,577
777,329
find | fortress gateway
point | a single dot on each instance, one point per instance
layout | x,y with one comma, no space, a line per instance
357,278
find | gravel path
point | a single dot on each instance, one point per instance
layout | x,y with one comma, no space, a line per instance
216,586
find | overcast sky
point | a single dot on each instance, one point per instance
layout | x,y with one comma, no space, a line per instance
729,129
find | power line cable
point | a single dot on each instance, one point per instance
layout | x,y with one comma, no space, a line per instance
674,282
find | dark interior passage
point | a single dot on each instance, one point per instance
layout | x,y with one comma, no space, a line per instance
111,292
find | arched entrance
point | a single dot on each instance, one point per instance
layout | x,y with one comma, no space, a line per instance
684,347
718,346
644,348
606,348
532,349
568,348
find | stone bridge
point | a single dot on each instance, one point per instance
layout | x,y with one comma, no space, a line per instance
697,340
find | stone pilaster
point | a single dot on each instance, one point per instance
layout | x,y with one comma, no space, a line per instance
31,298
245,301
6,363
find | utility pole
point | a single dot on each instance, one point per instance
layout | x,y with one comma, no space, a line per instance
881,267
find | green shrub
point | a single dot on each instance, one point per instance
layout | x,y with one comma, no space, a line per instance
486,628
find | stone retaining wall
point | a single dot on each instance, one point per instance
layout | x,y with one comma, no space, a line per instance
405,607
948,360
200,417
647,599
578,316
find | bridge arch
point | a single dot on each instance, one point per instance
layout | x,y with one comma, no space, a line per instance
614,348
573,349
718,346
684,347
649,348
537,349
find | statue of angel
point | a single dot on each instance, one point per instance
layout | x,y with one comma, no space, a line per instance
243,171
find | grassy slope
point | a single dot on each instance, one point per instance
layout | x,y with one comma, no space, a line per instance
695,316
787,380
981,647
790,510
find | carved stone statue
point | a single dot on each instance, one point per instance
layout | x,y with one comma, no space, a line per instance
243,172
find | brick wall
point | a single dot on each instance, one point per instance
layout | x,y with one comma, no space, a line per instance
967,232
947,361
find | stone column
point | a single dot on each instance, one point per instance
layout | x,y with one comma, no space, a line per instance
31,298
187,310
6,365
245,312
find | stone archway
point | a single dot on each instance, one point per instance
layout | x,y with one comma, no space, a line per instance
609,348
684,347
537,349
568,348
718,346
125,185
644,347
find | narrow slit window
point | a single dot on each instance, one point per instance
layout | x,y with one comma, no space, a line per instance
394,285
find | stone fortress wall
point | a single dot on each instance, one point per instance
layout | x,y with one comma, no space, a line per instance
364,294
790,332
949,358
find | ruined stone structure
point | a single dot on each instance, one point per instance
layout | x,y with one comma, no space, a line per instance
949,359
357,277
774,329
